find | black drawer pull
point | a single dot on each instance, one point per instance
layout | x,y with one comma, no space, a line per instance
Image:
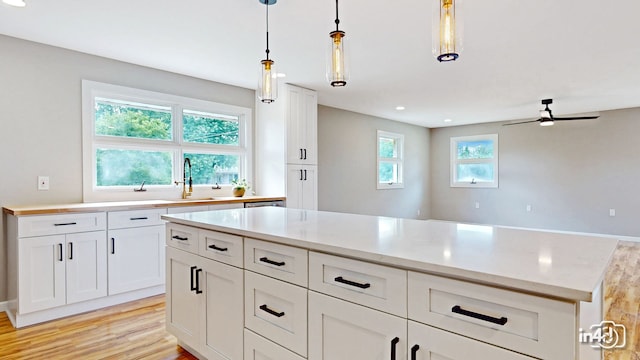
276,263
274,313
66,224
414,351
352,283
217,248
180,238
458,310
70,251
113,246
394,341
60,258
198,291
139,218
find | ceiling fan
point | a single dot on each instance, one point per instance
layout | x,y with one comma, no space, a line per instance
547,118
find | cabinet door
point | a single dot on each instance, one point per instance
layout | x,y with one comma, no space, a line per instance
295,124
309,188
310,128
86,265
428,343
41,273
183,308
136,258
344,331
258,348
222,301
295,177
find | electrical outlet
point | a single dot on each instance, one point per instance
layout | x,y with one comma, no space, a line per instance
477,205
612,212
43,183
528,208
418,212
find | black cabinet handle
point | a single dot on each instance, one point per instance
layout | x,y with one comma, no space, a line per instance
352,283
300,154
66,224
60,248
305,154
394,341
193,287
414,351
180,238
198,291
305,175
70,251
274,313
113,245
458,310
139,218
217,248
300,174
276,263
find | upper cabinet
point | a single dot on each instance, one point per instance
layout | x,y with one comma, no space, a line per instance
302,126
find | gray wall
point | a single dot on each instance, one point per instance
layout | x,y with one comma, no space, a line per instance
347,166
571,174
40,107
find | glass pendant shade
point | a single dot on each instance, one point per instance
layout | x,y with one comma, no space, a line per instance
447,30
337,71
268,86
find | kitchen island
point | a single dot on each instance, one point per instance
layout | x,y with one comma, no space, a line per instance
323,285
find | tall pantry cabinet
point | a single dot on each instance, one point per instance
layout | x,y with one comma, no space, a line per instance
287,147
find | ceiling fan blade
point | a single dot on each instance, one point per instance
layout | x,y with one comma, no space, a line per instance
522,122
576,118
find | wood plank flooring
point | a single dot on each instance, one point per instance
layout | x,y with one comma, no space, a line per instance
136,330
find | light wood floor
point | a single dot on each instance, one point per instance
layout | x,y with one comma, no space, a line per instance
136,330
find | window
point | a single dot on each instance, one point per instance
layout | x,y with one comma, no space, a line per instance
474,161
132,136
390,160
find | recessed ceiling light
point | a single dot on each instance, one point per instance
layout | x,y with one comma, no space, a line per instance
16,3
448,120
399,108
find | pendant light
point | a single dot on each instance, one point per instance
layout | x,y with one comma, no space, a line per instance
337,72
447,30
268,83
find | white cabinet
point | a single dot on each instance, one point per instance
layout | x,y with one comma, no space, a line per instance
136,250
205,305
286,134
302,187
61,269
258,348
340,330
428,343
302,125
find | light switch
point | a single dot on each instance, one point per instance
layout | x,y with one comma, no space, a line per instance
612,212
43,183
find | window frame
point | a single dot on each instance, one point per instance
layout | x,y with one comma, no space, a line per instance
398,160
454,161
177,146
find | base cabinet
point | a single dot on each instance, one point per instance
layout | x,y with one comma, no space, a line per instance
205,305
258,348
428,343
341,330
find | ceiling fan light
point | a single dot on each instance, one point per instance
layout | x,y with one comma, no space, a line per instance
546,122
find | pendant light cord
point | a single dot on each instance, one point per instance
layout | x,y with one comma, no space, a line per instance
267,4
337,19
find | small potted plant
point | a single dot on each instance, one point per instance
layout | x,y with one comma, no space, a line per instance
239,187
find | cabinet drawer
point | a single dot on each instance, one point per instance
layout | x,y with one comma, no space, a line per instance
276,310
38,225
182,237
376,286
135,218
258,348
279,261
435,344
525,323
219,246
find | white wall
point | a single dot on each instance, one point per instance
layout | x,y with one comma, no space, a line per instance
40,107
347,166
571,174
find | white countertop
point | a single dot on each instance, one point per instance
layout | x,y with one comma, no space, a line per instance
553,264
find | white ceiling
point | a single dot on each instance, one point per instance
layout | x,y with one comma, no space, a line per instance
585,54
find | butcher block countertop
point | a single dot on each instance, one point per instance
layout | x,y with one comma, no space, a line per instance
558,265
127,205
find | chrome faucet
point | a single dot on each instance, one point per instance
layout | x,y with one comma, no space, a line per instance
185,193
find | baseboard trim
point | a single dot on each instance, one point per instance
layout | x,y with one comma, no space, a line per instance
4,306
